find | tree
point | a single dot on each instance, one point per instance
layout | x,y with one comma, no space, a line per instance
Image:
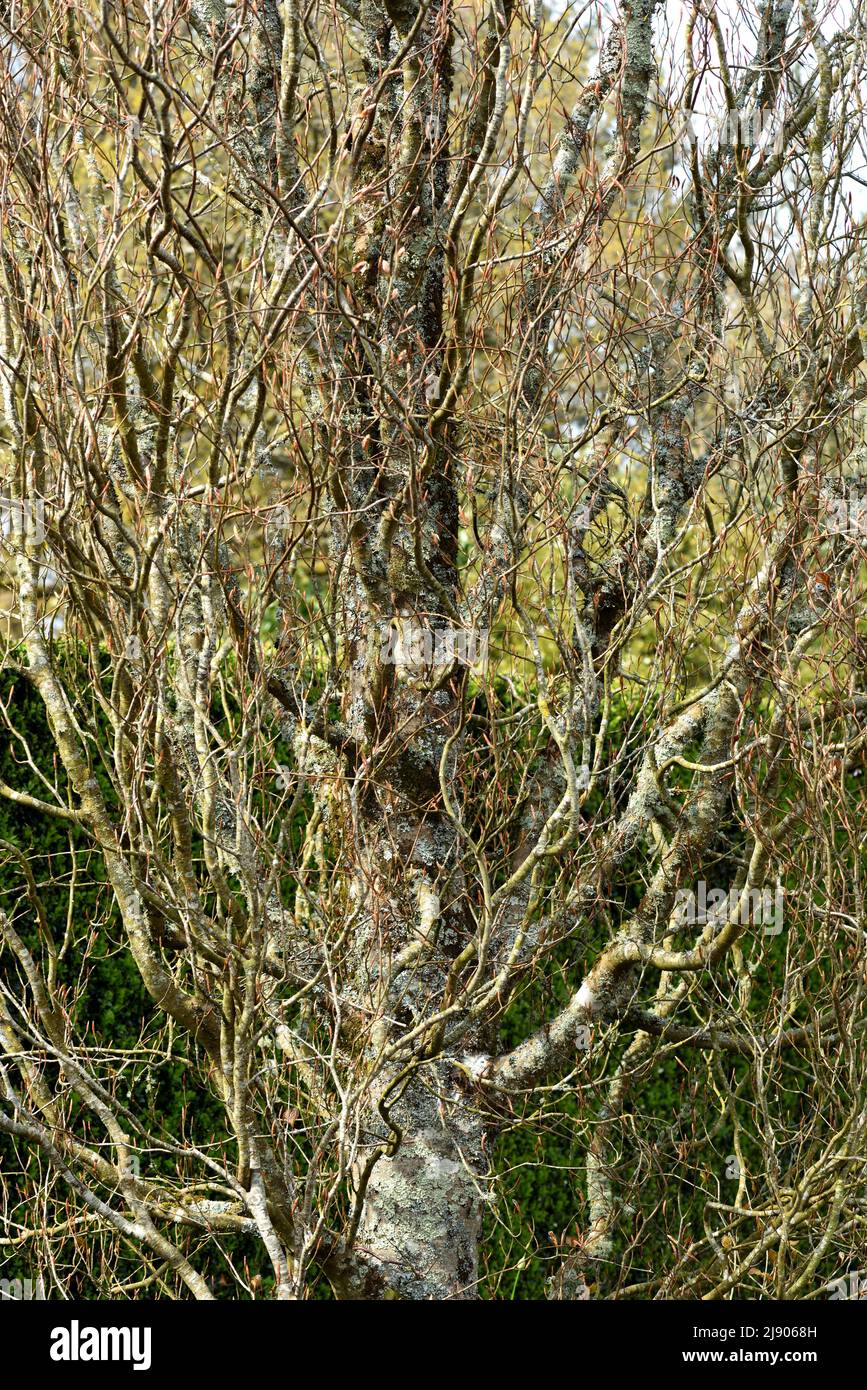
434,521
